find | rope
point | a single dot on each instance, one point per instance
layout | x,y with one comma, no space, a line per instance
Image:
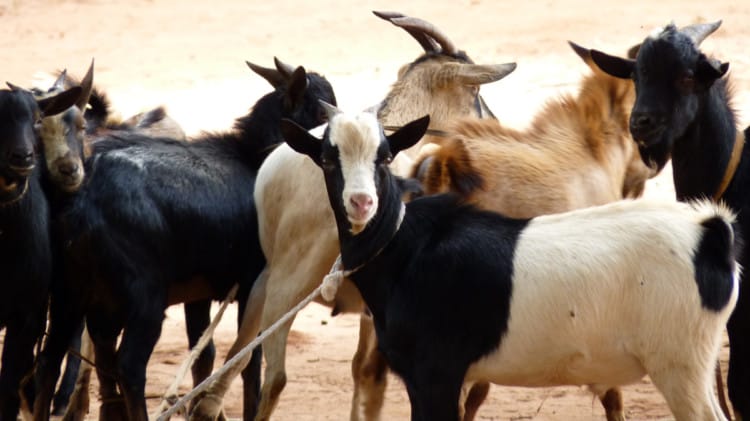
238,357
170,395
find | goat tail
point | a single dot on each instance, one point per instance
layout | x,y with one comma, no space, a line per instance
716,267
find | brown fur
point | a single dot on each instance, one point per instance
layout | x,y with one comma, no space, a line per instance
577,152
425,86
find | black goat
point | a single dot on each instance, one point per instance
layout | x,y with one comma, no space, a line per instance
25,249
683,110
161,221
66,138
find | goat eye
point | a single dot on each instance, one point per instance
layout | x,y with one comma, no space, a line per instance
388,159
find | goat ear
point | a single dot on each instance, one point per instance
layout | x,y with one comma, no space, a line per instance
60,102
708,69
473,74
87,86
15,88
301,140
612,65
59,84
408,135
273,76
633,51
583,53
296,88
283,68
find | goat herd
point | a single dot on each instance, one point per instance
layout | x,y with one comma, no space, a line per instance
474,252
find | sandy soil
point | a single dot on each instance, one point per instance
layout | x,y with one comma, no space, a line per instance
189,55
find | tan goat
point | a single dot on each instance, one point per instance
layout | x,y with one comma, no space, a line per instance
577,153
301,243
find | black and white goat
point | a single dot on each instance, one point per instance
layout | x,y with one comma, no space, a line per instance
25,248
683,111
599,297
300,242
161,221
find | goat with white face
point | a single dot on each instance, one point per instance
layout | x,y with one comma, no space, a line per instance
299,242
582,298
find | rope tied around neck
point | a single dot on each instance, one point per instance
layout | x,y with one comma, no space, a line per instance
335,277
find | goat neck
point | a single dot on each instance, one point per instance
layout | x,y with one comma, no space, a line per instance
358,250
700,157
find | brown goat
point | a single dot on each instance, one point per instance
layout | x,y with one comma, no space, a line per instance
577,153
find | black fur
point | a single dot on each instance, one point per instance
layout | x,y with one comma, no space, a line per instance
714,264
25,250
442,254
683,111
154,214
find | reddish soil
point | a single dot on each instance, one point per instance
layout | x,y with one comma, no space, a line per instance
189,55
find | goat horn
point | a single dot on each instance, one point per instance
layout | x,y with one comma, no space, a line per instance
428,44
285,69
15,88
59,84
427,29
474,74
330,110
698,32
87,86
273,76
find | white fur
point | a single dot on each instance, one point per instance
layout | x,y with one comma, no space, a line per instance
357,138
618,301
299,237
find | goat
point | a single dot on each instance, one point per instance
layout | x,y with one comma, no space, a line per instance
683,111
577,153
25,249
66,138
300,243
62,139
158,222
582,298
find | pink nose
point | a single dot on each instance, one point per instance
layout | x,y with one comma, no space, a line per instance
361,202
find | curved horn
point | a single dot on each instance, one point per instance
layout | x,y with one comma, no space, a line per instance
285,69
698,32
330,110
428,29
473,74
273,76
87,86
428,44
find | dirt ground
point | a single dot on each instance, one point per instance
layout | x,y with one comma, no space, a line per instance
189,55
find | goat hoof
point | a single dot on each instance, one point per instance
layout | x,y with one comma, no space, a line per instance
113,411
208,408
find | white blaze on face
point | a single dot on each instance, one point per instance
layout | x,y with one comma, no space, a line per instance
357,138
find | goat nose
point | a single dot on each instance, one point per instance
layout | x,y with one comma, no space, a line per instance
641,121
21,158
362,202
68,169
